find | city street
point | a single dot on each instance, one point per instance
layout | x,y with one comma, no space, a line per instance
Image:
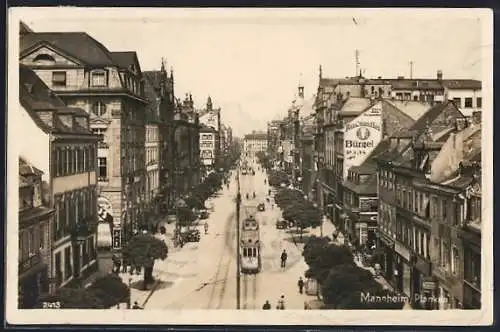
203,275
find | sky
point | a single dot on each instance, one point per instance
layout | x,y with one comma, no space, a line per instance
251,61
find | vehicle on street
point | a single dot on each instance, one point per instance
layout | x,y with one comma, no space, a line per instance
250,246
203,214
281,224
261,207
190,235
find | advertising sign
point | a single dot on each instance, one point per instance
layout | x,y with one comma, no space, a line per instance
361,136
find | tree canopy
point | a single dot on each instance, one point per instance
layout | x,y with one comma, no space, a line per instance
277,177
321,257
143,249
110,289
73,298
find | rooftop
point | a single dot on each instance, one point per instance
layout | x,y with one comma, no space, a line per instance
78,45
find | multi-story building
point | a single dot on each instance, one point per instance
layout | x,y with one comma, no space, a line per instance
152,198
108,86
405,221
35,219
185,148
65,150
160,91
208,141
253,143
211,117
273,129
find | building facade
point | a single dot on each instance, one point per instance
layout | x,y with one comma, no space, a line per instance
159,88
208,149
35,219
65,151
412,208
108,86
254,143
211,117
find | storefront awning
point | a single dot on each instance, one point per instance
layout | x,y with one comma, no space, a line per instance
103,235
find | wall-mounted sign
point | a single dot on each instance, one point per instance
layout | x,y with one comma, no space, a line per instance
117,240
361,136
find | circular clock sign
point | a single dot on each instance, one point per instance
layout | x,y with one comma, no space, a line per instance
363,133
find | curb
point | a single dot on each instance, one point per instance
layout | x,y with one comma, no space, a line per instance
153,289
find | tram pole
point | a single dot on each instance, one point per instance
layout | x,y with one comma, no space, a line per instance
238,203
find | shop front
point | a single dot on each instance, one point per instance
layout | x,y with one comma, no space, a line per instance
424,285
403,269
386,246
32,283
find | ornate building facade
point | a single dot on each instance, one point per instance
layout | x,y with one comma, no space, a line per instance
108,86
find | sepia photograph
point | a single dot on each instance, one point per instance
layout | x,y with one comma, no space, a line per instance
249,166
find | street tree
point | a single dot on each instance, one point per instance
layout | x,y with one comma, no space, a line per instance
185,216
321,258
111,290
142,250
71,298
277,177
343,280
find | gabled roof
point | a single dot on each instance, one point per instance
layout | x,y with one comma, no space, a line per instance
414,109
355,105
465,84
369,187
78,45
126,59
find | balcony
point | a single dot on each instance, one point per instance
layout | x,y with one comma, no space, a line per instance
81,231
32,261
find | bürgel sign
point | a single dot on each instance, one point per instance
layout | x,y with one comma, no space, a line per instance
361,136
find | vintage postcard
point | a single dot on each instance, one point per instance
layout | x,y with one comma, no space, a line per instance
250,166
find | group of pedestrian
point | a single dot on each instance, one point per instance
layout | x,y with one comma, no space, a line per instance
123,266
279,306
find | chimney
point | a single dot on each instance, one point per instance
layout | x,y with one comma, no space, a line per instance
440,75
401,77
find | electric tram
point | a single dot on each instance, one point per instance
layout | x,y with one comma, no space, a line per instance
250,246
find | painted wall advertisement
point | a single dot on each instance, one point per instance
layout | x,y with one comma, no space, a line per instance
361,136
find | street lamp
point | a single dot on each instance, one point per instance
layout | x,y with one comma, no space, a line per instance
238,203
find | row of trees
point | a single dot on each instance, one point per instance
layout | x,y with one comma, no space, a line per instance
264,160
105,292
297,209
343,284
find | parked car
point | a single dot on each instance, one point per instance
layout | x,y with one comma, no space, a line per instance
191,235
203,214
281,224
261,207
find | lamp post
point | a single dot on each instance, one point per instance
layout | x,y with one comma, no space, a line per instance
238,203
129,303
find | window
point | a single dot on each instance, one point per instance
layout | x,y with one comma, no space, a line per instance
102,170
41,232
99,78
479,102
67,263
468,102
58,270
454,260
59,78
44,58
443,209
457,102
98,131
99,108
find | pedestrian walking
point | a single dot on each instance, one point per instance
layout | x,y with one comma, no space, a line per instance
116,264
136,305
206,228
281,303
266,306
300,283
284,257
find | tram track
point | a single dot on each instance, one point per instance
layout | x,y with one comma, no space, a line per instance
220,278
